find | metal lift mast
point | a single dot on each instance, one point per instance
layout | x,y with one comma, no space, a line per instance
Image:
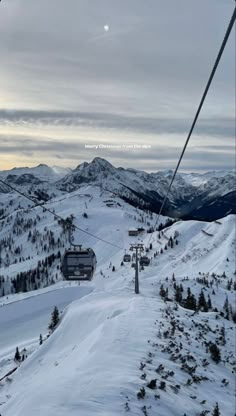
137,248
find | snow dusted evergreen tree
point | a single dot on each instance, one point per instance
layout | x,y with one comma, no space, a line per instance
216,411
202,304
162,291
226,307
54,319
190,301
17,355
171,242
178,294
222,334
215,352
209,304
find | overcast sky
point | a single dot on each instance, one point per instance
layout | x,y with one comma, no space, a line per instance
67,83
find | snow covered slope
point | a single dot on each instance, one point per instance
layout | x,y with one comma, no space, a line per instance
28,236
112,343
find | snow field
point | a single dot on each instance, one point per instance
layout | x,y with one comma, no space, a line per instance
90,365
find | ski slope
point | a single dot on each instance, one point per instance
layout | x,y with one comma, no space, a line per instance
30,316
91,364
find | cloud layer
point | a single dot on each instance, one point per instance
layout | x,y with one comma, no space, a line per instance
64,81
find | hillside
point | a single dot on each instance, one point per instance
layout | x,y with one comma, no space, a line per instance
111,343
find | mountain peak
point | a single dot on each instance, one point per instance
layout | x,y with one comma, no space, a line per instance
97,163
81,166
42,165
101,162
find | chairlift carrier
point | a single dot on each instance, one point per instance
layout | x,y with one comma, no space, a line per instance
144,261
127,257
78,263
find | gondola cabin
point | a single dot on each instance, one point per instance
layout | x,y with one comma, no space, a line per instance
144,261
127,257
79,264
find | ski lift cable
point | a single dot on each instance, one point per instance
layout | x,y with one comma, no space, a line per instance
58,216
221,50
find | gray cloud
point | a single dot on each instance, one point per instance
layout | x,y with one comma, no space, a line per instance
144,76
154,54
221,126
202,157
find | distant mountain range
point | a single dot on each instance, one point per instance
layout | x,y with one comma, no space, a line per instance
205,196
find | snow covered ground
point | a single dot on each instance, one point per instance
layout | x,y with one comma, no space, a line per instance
111,343
22,321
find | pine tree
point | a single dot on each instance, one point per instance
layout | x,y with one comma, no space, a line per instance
162,385
40,339
162,292
216,411
222,333
178,294
209,304
54,319
202,302
215,353
226,307
141,394
17,355
171,242
190,301
229,284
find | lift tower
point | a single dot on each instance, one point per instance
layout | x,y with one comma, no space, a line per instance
138,248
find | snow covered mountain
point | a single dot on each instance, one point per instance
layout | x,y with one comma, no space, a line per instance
138,187
114,352
199,196
197,179
41,172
